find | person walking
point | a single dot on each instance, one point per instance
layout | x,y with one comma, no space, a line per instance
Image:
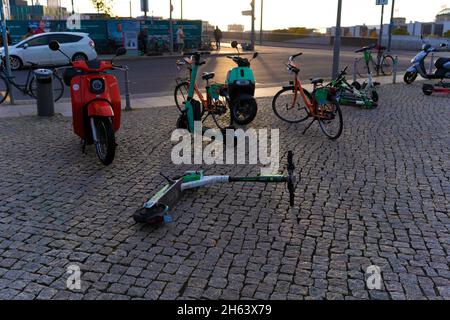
218,37
180,40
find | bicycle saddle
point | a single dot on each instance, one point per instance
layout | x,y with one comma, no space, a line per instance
316,81
208,75
441,63
366,48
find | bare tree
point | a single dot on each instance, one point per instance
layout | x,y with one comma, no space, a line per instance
105,6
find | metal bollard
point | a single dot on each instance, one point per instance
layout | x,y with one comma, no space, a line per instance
394,71
430,70
355,66
127,90
45,100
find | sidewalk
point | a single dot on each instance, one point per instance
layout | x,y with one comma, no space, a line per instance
64,107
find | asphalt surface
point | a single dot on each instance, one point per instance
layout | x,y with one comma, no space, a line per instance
156,76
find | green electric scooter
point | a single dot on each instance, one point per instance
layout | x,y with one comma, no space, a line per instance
193,108
159,208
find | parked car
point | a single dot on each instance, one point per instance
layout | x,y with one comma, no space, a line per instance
78,46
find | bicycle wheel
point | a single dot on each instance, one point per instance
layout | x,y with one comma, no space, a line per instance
283,108
4,89
387,65
181,94
58,87
331,120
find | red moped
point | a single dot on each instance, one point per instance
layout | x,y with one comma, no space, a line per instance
96,103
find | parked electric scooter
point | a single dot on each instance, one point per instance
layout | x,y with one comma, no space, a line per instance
418,65
96,103
241,89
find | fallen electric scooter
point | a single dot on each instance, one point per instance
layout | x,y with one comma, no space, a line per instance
158,209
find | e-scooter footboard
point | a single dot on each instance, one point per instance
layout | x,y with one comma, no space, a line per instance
158,209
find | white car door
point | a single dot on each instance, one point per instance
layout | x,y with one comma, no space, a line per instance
36,50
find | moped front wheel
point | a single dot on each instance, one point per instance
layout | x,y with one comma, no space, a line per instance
105,145
410,77
244,111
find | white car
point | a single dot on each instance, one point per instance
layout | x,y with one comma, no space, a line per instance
78,46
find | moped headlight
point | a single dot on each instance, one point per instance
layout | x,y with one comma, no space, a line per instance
97,86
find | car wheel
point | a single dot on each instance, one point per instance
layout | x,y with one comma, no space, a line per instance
79,57
15,62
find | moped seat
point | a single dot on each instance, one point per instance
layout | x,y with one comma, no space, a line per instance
208,75
441,62
316,81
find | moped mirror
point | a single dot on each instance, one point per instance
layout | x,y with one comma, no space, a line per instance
255,55
54,45
234,44
121,52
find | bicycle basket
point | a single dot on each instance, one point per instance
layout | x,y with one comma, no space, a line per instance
321,95
215,90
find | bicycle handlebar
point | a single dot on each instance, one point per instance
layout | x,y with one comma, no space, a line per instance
291,58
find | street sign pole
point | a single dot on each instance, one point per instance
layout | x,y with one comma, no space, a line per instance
381,26
252,41
261,27
391,26
6,50
171,29
337,41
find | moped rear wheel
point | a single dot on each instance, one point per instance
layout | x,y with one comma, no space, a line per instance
106,144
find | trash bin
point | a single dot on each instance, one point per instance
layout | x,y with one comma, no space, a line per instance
45,100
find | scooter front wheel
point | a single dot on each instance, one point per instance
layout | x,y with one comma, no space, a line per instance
244,111
106,141
410,77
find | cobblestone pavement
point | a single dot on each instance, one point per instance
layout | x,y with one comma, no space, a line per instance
378,196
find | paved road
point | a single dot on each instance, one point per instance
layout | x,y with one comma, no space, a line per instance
378,196
155,77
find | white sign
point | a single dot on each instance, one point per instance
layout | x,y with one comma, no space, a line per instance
382,2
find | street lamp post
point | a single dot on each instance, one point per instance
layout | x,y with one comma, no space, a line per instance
391,26
181,10
337,41
252,36
261,27
171,29
6,52
381,25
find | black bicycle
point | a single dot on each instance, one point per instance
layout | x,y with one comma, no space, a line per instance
29,88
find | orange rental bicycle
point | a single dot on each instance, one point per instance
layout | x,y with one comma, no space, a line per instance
214,105
294,104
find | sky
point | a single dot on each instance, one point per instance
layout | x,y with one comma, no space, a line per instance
318,14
